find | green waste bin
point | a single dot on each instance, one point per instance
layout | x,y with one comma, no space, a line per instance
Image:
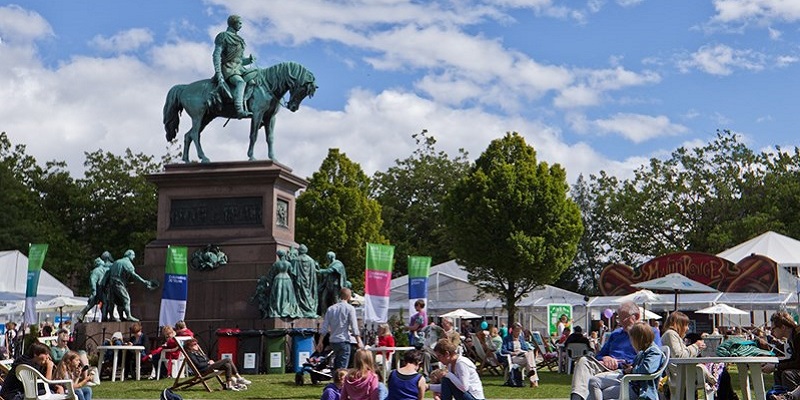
276,351
251,351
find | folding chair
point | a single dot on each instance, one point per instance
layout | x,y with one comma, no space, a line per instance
5,368
549,359
484,358
195,376
32,380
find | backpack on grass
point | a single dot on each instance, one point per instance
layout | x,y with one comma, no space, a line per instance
514,376
168,394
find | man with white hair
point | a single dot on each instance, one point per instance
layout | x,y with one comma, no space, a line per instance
616,352
448,327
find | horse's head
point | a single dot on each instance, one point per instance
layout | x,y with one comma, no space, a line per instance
299,91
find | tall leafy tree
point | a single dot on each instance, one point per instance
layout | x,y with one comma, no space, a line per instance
20,223
64,205
690,201
411,194
594,252
124,205
335,213
516,227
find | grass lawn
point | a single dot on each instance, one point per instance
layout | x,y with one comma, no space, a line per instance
552,385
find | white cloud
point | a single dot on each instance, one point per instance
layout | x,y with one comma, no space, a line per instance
593,83
124,41
763,11
634,127
629,3
721,59
783,61
18,25
184,56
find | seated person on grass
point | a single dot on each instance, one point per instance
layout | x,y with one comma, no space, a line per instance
233,380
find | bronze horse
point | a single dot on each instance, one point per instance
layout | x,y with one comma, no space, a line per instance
203,103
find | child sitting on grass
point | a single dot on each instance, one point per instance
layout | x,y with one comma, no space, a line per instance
333,390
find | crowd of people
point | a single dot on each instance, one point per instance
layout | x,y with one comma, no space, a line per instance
445,360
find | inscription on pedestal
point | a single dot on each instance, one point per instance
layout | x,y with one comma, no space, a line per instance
230,212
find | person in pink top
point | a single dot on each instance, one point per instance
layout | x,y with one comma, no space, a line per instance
182,330
361,382
417,322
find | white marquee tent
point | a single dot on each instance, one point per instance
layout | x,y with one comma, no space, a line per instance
782,249
14,275
449,289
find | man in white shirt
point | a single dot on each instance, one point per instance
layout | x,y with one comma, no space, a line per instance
340,321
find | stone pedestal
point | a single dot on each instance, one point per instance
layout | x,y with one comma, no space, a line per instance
245,208
285,323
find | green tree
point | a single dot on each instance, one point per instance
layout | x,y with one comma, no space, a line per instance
411,194
64,205
516,227
19,221
690,201
335,213
594,251
28,217
124,205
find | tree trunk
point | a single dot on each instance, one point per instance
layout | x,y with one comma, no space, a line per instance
511,306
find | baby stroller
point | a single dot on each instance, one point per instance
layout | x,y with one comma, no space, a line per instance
319,366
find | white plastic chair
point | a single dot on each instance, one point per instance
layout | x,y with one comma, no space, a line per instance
628,378
386,363
32,379
174,365
575,351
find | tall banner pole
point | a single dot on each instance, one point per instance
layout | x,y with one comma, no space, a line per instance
419,267
36,254
176,286
377,282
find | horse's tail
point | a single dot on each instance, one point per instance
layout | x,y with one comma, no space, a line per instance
172,111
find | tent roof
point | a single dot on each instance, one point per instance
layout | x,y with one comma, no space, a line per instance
783,249
14,273
449,288
446,271
686,301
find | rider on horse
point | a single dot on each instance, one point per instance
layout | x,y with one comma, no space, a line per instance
229,64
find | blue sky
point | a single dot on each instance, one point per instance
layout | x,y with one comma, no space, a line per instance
598,84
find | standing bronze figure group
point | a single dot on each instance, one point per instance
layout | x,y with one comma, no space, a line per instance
109,280
296,287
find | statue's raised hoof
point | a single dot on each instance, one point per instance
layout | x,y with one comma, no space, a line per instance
133,319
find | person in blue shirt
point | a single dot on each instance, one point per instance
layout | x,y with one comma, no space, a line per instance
647,361
616,350
333,390
521,353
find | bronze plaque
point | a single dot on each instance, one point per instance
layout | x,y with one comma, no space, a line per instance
229,212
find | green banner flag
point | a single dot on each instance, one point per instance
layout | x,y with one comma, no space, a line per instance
36,255
177,260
